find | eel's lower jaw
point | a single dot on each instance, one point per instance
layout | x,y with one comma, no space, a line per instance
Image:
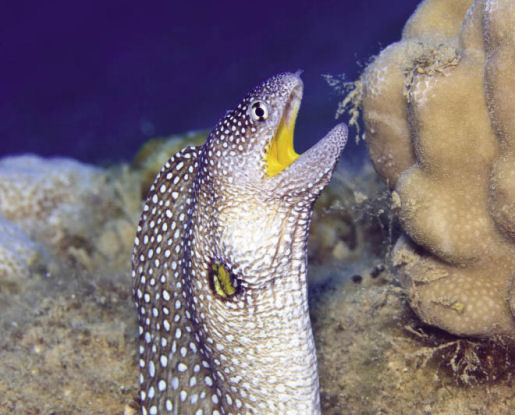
312,170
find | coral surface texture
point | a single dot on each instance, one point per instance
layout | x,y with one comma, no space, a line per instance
438,108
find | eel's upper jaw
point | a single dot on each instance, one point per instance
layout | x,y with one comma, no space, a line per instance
311,171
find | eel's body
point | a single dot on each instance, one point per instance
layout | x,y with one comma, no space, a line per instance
219,266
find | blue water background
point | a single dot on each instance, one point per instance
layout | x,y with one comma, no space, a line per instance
93,80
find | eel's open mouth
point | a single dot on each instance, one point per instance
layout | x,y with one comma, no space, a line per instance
280,153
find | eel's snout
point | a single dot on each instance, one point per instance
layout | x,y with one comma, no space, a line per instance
311,172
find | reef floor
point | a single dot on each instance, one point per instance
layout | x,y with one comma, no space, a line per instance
69,337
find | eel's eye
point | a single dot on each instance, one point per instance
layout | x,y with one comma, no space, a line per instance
259,111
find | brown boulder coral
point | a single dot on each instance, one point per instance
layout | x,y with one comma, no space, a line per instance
438,109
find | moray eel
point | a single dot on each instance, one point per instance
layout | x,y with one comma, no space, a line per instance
219,265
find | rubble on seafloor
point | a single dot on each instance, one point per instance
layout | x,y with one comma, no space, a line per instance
69,342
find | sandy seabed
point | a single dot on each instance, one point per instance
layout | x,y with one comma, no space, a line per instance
69,334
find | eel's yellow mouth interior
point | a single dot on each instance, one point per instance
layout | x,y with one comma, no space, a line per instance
280,153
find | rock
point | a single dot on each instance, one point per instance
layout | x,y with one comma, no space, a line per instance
438,109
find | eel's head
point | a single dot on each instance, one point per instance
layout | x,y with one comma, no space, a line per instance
259,190
252,146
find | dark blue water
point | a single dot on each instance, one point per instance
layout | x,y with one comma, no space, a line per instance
93,80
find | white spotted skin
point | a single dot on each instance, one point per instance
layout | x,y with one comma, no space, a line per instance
252,352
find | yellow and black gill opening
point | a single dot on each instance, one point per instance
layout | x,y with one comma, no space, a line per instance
281,153
222,281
